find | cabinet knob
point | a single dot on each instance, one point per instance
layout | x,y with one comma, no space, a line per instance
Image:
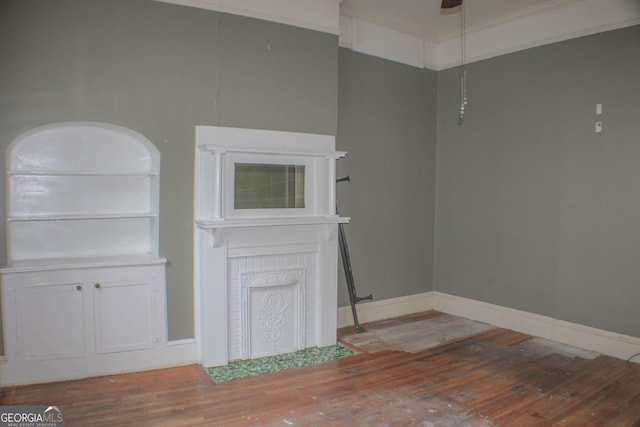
98,285
79,288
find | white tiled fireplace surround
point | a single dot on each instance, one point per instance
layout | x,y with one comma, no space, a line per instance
266,279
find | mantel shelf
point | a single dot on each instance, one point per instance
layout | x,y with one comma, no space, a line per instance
81,173
268,222
73,217
215,148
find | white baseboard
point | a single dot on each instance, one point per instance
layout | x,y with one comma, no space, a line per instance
386,309
585,337
174,353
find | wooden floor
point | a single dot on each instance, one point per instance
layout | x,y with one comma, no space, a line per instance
484,380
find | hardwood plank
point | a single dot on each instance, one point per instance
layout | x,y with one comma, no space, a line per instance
485,380
503,336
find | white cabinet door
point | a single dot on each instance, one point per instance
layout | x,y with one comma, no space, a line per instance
50,322
125,315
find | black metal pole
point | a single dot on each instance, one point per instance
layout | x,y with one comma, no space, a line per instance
348,272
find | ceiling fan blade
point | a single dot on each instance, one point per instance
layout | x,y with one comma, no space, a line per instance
449,4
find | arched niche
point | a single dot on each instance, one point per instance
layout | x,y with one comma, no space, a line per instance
81,190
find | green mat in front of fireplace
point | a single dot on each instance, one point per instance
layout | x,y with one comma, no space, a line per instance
280,362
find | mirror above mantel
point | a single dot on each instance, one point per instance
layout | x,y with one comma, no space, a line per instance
251,176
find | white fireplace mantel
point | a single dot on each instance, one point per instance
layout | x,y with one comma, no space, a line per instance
266,278
214,228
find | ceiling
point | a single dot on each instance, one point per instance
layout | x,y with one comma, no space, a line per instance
426,19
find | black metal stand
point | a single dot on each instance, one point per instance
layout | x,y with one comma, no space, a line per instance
348,273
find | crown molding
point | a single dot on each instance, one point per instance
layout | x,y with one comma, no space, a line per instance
351,14
546,7
384,42
545,24
318,15
542,25
572,20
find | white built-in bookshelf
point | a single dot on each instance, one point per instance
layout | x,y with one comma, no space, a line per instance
83,292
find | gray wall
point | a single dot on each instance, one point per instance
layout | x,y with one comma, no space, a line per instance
161,69
534,210
387,123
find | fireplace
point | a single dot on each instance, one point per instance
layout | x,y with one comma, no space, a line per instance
272,309
265,243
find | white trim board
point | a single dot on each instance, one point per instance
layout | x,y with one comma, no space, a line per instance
585,337
172,354
541,26
535,27
319,15
386,309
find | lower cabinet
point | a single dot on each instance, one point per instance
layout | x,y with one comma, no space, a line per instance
74,322
49,321
125,315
